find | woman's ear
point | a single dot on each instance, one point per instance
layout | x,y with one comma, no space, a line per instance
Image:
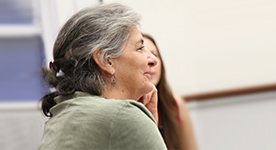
104,65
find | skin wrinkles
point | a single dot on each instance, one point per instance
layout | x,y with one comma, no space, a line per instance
132,68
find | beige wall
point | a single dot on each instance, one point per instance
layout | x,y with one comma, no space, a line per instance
212,45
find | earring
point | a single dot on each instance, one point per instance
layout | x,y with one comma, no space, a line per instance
113,81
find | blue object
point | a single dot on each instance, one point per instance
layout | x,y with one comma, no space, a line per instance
20,69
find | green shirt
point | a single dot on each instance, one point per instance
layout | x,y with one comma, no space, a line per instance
82,121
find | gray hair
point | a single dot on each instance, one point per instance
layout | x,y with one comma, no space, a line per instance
104,27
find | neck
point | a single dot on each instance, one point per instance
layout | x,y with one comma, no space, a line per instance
114,92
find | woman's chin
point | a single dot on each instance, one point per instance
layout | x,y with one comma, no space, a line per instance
153,81
149,87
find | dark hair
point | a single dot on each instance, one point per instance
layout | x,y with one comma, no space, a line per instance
104,27
167,107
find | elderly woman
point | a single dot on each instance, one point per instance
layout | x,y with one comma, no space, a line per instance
103,98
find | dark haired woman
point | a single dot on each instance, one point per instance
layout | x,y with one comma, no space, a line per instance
174,120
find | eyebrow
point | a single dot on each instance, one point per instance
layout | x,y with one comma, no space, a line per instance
140,42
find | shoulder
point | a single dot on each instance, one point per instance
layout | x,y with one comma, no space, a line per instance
181,105
179,100
130,109
100,123
110,111
134,122
135,108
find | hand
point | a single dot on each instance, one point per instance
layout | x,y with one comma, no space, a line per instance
150,100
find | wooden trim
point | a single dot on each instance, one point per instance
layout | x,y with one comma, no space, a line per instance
227,93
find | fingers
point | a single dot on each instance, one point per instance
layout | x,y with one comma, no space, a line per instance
150,100
153,97
145,99
149,97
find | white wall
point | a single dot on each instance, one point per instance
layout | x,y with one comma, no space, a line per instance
236,123
212,45
21,126
54,13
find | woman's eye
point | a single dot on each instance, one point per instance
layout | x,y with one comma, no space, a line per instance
156,55
141,48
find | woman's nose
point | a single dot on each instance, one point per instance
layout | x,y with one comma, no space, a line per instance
152,60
